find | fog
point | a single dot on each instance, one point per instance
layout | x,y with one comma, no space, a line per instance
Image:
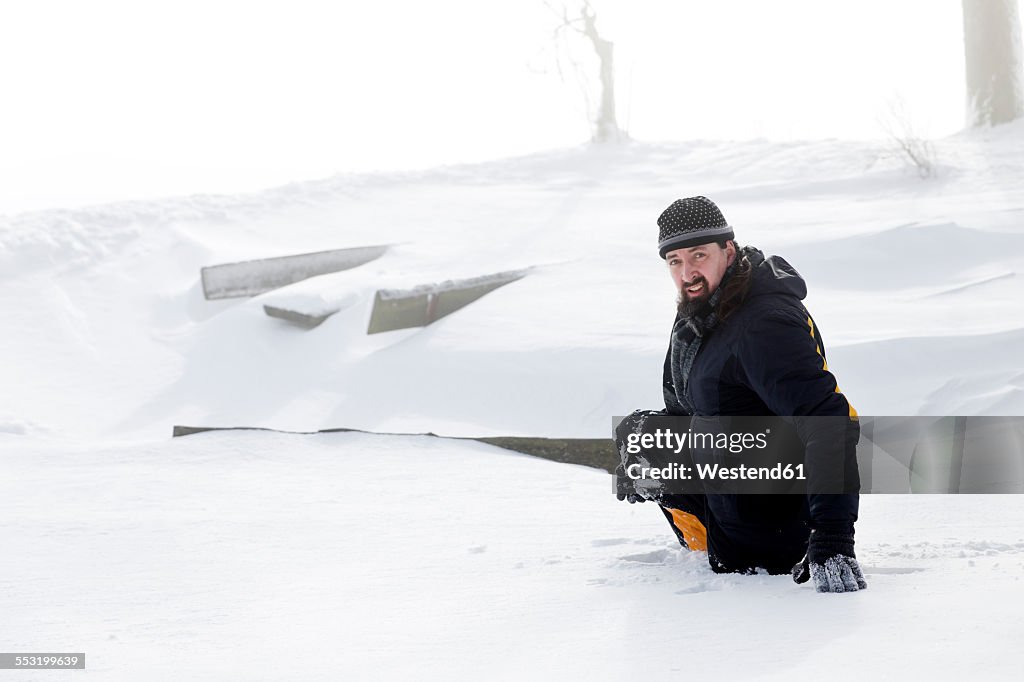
114,100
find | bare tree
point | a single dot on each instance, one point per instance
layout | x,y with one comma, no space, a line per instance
904,142
992,49
604,121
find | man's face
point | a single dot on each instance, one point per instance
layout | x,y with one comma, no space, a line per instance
698,270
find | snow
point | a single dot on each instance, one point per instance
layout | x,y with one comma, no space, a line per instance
267,556
258,555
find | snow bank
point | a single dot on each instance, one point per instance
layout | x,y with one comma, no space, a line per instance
115,338
265,556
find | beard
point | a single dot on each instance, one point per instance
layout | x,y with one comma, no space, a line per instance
687,304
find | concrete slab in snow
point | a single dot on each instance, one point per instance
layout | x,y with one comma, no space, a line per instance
423,305
296,317
249,278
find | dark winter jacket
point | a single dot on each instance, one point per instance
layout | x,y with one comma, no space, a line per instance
768,358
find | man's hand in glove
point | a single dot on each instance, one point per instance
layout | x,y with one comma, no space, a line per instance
625,492
634,423
830,561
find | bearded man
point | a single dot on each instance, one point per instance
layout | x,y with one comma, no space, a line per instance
744,344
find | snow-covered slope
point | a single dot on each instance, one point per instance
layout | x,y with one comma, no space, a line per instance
249,555
114,337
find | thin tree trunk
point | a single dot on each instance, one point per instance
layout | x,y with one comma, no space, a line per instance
606,125
992,51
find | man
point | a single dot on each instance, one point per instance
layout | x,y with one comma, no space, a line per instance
743,344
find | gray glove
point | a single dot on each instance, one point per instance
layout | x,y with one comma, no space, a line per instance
830,561
634,423
624,490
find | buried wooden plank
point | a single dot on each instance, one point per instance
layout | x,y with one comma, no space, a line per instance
302,319
428,303
249,278
309,308
599,453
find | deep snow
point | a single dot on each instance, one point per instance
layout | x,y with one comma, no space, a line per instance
251,555
258,556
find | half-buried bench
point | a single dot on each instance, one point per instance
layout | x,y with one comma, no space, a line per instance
250,278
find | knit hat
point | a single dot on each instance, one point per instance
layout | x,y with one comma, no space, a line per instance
691,222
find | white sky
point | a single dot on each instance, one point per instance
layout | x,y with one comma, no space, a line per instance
107,100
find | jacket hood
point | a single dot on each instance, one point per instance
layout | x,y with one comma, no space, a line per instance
773,275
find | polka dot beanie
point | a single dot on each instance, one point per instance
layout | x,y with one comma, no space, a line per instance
691,222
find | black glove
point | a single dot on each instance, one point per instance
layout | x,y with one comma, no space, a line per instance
831,562
633,423
623,491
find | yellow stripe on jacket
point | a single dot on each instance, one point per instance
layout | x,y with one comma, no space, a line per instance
824,364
